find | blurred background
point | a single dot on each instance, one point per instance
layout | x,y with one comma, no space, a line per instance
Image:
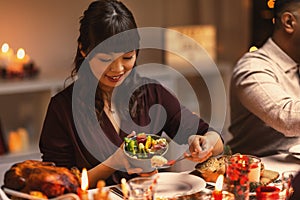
48,30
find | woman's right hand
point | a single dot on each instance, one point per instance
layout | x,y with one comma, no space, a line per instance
119,161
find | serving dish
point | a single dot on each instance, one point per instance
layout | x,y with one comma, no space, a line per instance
5,193
17,194
141,158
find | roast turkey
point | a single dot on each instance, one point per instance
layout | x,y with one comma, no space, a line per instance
45,177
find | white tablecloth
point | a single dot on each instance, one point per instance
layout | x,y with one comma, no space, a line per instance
279,163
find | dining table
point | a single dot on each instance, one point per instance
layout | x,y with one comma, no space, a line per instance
281,162
278,162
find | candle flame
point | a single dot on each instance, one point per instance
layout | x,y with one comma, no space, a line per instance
123,180
253,48
219,183
84,180
5,48
271,3
124,187
20,53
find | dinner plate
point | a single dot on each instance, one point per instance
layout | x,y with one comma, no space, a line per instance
295,149
171,184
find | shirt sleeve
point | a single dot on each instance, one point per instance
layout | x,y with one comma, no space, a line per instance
258,88
55,142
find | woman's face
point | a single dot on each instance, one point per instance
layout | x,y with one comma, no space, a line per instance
111,69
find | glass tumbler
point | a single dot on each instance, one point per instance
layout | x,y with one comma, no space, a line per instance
141,188
236,178
286,178
255,168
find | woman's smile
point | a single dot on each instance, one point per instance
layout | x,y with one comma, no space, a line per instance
115,78
112,68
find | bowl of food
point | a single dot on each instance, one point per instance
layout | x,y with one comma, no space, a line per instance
146,151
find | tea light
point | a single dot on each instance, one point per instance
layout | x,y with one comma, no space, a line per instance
6,55
101,194
217,193
84,185
254,171
20,59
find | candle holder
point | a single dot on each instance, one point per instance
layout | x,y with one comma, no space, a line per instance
16,66
83,194
268,193
255,169
225,195
236,178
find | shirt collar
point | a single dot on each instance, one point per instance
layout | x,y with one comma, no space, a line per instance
285,62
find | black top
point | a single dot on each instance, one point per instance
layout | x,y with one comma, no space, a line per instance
62,140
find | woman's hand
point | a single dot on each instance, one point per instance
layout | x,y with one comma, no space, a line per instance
118,160
200,148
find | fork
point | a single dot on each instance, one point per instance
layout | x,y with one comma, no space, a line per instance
170,163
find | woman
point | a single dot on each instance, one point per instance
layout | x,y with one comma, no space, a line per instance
86,122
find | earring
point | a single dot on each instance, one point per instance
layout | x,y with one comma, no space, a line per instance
81,51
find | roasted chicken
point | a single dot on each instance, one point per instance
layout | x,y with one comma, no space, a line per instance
44,177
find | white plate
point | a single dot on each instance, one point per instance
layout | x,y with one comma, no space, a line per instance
170,184
295,149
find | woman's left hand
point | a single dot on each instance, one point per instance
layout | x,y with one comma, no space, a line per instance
200,148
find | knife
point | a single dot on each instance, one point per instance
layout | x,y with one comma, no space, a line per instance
289,152
117,191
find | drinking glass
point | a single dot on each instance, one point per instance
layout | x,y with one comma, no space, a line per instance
254,171
236,178
286,178
141,188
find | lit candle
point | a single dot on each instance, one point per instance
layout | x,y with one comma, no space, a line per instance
101,194
19,61
217,193
124,188
6,55
84,185
22,56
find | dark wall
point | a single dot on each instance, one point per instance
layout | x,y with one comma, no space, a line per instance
262,25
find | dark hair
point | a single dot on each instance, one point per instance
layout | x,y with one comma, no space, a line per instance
282,6
102,20
105,19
